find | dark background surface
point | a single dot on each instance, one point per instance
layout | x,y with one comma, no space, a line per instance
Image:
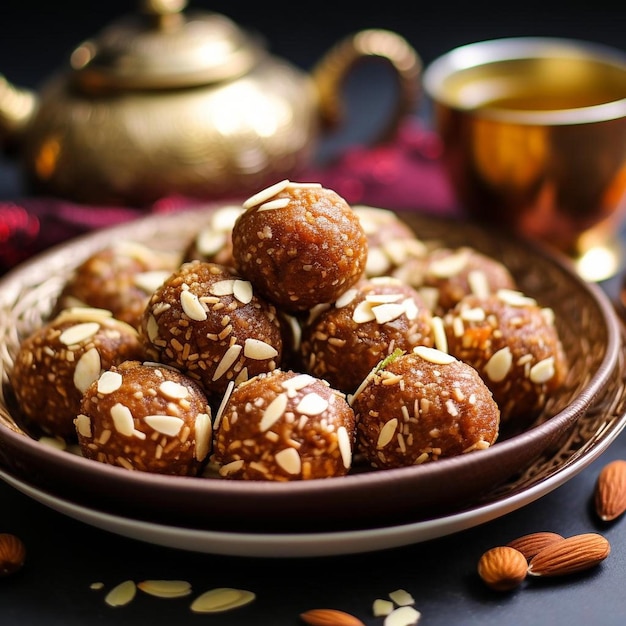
66,556
37,36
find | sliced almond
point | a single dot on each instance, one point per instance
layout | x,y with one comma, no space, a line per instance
165,588
224,287
312,404
109,382
230,356
433,355
278,203
173,390
122,419
121,594
382,608
499,365
542,371
289,460
242,290
385,313
221,599
79,333
273,412
150,281
265,194
83,425
387,433
258,350
573,554
403,616
203,435
87,369
402,597
192,307
168,425
345,446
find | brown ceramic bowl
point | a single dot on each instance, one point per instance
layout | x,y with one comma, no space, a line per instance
589,328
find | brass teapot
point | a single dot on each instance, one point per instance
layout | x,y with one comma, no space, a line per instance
165,101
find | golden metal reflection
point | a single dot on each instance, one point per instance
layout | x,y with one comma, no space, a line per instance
534,134
160,103
47,158
599,262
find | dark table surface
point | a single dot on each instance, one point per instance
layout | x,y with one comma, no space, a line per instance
65,556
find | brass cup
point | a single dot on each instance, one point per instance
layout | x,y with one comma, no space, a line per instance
534,137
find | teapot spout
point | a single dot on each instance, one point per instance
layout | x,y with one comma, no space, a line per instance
16,109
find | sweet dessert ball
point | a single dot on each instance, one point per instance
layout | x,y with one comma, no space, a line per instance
422,406
145,417
284,426
299,244
446,275
209,323
391,242
514,345
369,321
57,363
120,278
213,242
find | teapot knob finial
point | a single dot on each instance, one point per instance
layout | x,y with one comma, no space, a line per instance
162,7
163,10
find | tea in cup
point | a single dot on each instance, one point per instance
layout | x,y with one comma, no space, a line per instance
534,135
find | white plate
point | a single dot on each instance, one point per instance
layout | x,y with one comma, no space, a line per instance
326,543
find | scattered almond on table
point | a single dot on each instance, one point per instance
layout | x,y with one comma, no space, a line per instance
215,600
221,599
541,554
165,588
570,555
12,554
610,491
548,554
502,568
330,617
532,543
397,611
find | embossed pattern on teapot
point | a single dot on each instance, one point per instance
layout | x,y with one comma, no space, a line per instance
167,102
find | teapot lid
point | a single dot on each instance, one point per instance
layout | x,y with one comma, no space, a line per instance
162,47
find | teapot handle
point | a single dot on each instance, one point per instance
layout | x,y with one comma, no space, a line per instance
334,68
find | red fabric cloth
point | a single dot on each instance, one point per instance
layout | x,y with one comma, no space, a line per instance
405,174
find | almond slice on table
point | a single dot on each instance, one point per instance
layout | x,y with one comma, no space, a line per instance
165,588
221,599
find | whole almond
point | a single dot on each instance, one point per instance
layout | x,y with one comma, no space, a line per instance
610,494
12,554
532,543
502,568
329,617
573,554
